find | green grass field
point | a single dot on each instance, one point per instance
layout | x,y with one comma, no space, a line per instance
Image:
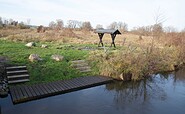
46,70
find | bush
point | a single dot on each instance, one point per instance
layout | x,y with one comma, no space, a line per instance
136,62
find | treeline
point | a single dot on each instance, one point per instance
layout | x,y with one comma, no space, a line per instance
79,25
156,29
10,24
71,24
150,30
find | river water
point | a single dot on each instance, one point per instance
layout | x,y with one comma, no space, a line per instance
159,94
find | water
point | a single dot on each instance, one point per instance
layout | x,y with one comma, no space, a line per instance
159,94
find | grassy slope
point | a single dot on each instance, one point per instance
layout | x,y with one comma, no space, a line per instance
46,70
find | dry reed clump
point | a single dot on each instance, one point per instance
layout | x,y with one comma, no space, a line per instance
7,32
68,33
176,40
136,62
33,36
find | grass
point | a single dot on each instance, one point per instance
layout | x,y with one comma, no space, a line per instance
46,70
133,55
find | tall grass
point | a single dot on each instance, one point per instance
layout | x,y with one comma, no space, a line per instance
135,61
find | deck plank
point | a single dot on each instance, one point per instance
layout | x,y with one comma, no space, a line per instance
30,94
34,94
25,93
13,94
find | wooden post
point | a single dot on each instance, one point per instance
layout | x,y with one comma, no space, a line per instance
113,38
101,37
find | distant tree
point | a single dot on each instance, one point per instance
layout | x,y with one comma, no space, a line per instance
86,26
22,25
5,22
52,25
59,24
170,29
157,30
122,26
10,21
1,22
72,24
143,31
113,25
98,26
79,24
41,29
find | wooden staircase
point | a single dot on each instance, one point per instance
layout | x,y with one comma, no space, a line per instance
81,65
17,74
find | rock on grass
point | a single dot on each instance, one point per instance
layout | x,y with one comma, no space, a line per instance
34,57
57,57
30,44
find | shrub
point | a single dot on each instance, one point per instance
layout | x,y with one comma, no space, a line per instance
136,62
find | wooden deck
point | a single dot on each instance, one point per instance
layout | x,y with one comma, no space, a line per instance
25,93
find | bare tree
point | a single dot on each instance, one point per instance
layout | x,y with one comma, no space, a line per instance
170,29
98,26
113,25
59,24
86,26
41,29
159,19
10,21
122,26
52,25
5,21
74,24
1,22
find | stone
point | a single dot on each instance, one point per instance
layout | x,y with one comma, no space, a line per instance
44,46
57,57
34,57
3,59
126,77
30,44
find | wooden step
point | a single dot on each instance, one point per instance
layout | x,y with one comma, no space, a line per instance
17,76
78,61
87,70
83,68
18,81
79,65
15,67
17,71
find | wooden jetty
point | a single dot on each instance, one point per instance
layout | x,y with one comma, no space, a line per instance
23,93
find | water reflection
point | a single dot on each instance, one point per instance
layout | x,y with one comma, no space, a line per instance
159,94
180,75
158,87
127,93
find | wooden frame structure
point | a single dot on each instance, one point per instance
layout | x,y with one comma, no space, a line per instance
112,32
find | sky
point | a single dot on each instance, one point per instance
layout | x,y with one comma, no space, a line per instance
133,12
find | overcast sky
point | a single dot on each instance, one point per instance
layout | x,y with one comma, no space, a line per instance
133,12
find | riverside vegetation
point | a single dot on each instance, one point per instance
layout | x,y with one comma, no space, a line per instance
135,56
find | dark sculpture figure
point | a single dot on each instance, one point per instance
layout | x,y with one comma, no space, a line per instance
112,32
